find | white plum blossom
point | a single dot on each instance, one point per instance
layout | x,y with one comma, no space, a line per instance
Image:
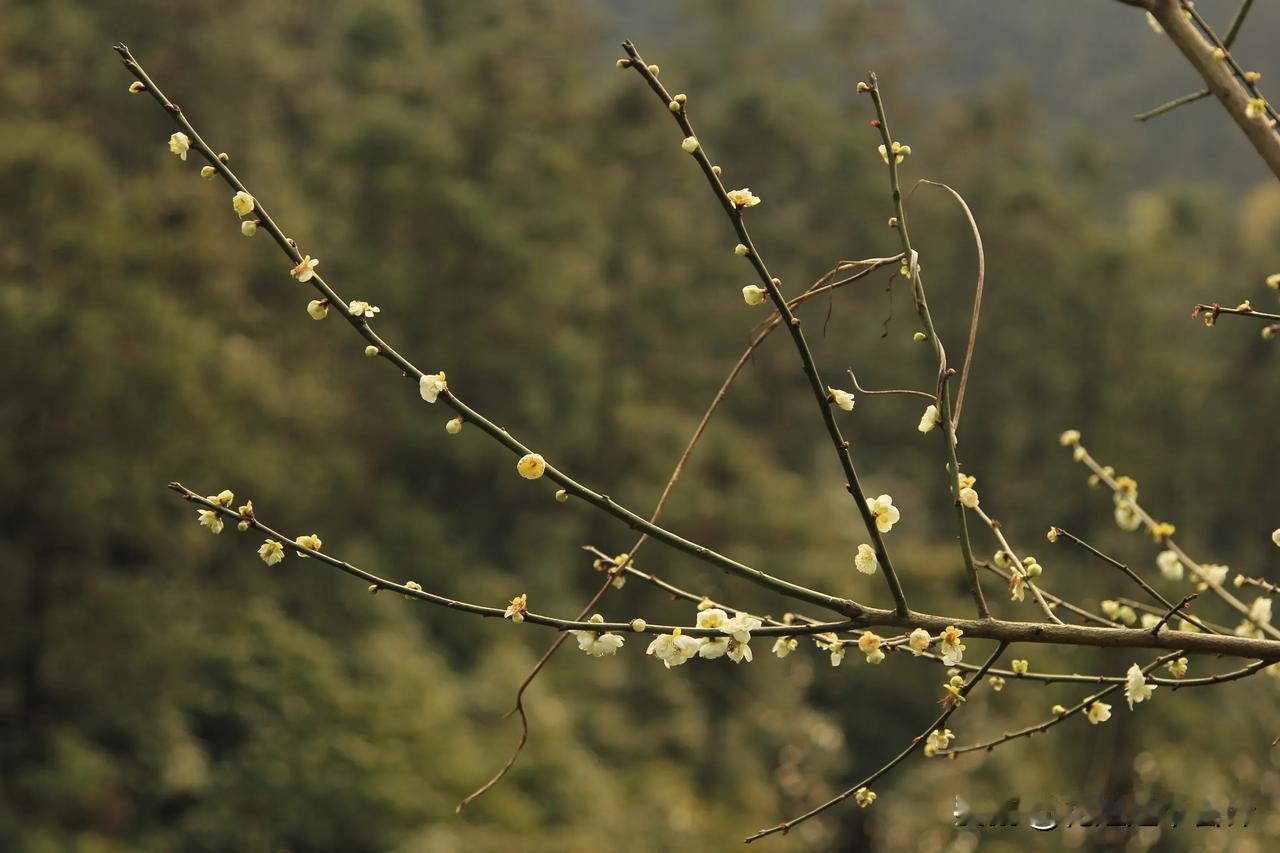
869,645
673,649
1260,611
829,643
864,796
929,419
713,647
596,644
242,203
918,641
784,646
950,646
938,740
1177,668
865,560
1170,566
742,197
1098,712
884,512
843,399
180,144
1136,688
306,269
740,627
432,385
211,519
738,652
969,497
518,607
271,552
711,617
360,308
1127,517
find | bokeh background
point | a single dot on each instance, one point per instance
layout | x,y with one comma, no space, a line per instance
524,217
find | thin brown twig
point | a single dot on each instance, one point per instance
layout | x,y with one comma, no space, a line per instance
977,296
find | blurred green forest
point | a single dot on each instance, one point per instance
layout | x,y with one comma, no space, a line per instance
524,217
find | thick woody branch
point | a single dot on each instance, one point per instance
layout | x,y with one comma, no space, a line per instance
1220,78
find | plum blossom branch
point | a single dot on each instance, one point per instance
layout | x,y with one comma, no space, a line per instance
733,204
893,152
1127,507
1132,575
1092,701
863,787
435,387
414,590
1236,23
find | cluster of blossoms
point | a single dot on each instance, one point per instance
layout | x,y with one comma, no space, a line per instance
211,519
1118,612
676,648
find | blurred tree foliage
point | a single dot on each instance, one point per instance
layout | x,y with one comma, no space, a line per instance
526,221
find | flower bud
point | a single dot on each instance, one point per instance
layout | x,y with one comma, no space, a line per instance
207,172
740,250
753,295
531,466
863,88
638,625
136,86
674,106
454,426
249,227
318,308
623,63
919,337
370,351
655,70
561,496
689,144
715,170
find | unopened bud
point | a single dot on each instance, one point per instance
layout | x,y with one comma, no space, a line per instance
249,227
863,88
638,625
224,157
674,106
655,70
136,86
207,172
561,496
689,144
715,170
370,351
454,426
740,250
918,337
624,63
